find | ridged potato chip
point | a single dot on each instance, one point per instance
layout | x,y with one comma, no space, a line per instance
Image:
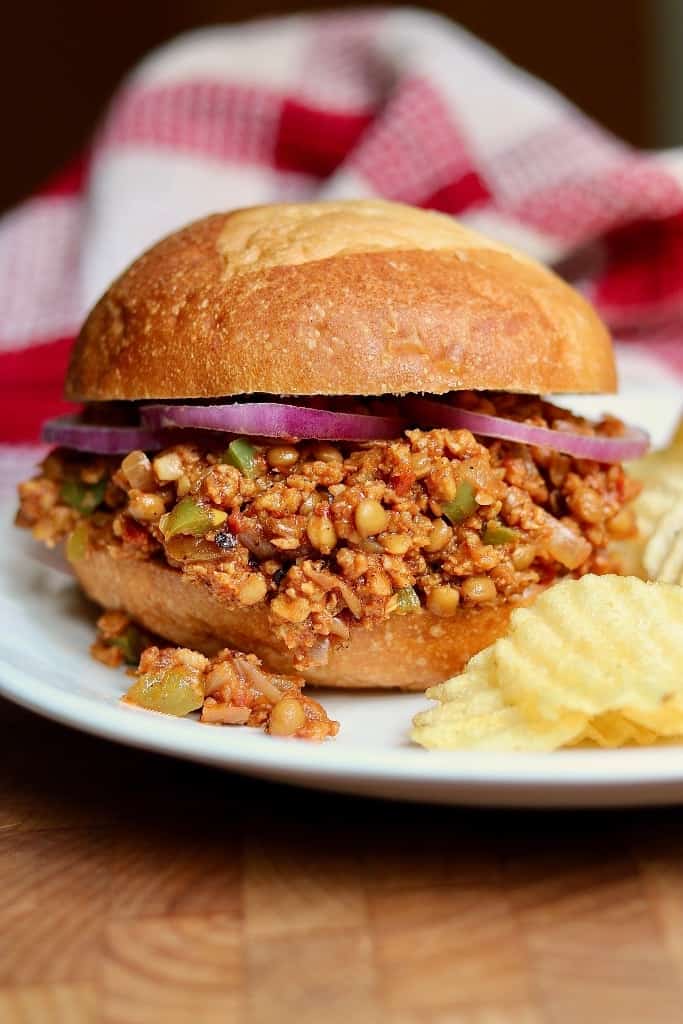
653,503
649,507
613,729
666,720
661,474
592,661
663,555
472,715
503,730
597,644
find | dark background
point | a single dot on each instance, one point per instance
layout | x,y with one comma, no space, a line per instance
61,61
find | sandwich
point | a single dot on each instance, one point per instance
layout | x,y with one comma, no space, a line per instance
316,433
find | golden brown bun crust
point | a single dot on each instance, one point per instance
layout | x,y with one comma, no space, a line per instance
341,298
409,651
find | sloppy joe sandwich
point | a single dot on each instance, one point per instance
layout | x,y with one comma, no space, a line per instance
315,433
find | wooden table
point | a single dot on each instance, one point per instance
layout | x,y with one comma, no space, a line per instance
135,888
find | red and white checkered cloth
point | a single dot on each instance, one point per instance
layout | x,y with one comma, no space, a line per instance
398,103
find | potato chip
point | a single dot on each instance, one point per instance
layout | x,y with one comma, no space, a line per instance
661,474
595,660
666,720
650,506
614,729
634,727
593,645
653,503
477,682
504,730
473,716
663,555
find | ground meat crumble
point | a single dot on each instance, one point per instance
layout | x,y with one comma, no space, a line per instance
331,536
231,688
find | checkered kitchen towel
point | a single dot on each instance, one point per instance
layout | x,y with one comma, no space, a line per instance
397,103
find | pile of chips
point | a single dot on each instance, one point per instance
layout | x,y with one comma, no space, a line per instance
594,661
658,509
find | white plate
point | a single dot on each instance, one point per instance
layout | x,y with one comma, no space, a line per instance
46,628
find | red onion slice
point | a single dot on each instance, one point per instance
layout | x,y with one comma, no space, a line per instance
275,419
599,449
72,432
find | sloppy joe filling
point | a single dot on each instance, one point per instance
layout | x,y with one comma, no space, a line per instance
329,537
229,689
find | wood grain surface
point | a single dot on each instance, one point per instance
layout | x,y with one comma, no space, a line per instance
135,888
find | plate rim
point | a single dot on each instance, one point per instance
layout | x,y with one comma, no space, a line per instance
246,752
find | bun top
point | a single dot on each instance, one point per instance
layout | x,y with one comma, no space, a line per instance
336,298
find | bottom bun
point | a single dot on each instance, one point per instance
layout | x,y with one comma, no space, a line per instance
409,652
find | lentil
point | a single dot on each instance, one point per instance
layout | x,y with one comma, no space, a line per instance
523,556
370,518
282,456
326,453
439,537
145,507
287,717
396,543
321,532
479,589
443,601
